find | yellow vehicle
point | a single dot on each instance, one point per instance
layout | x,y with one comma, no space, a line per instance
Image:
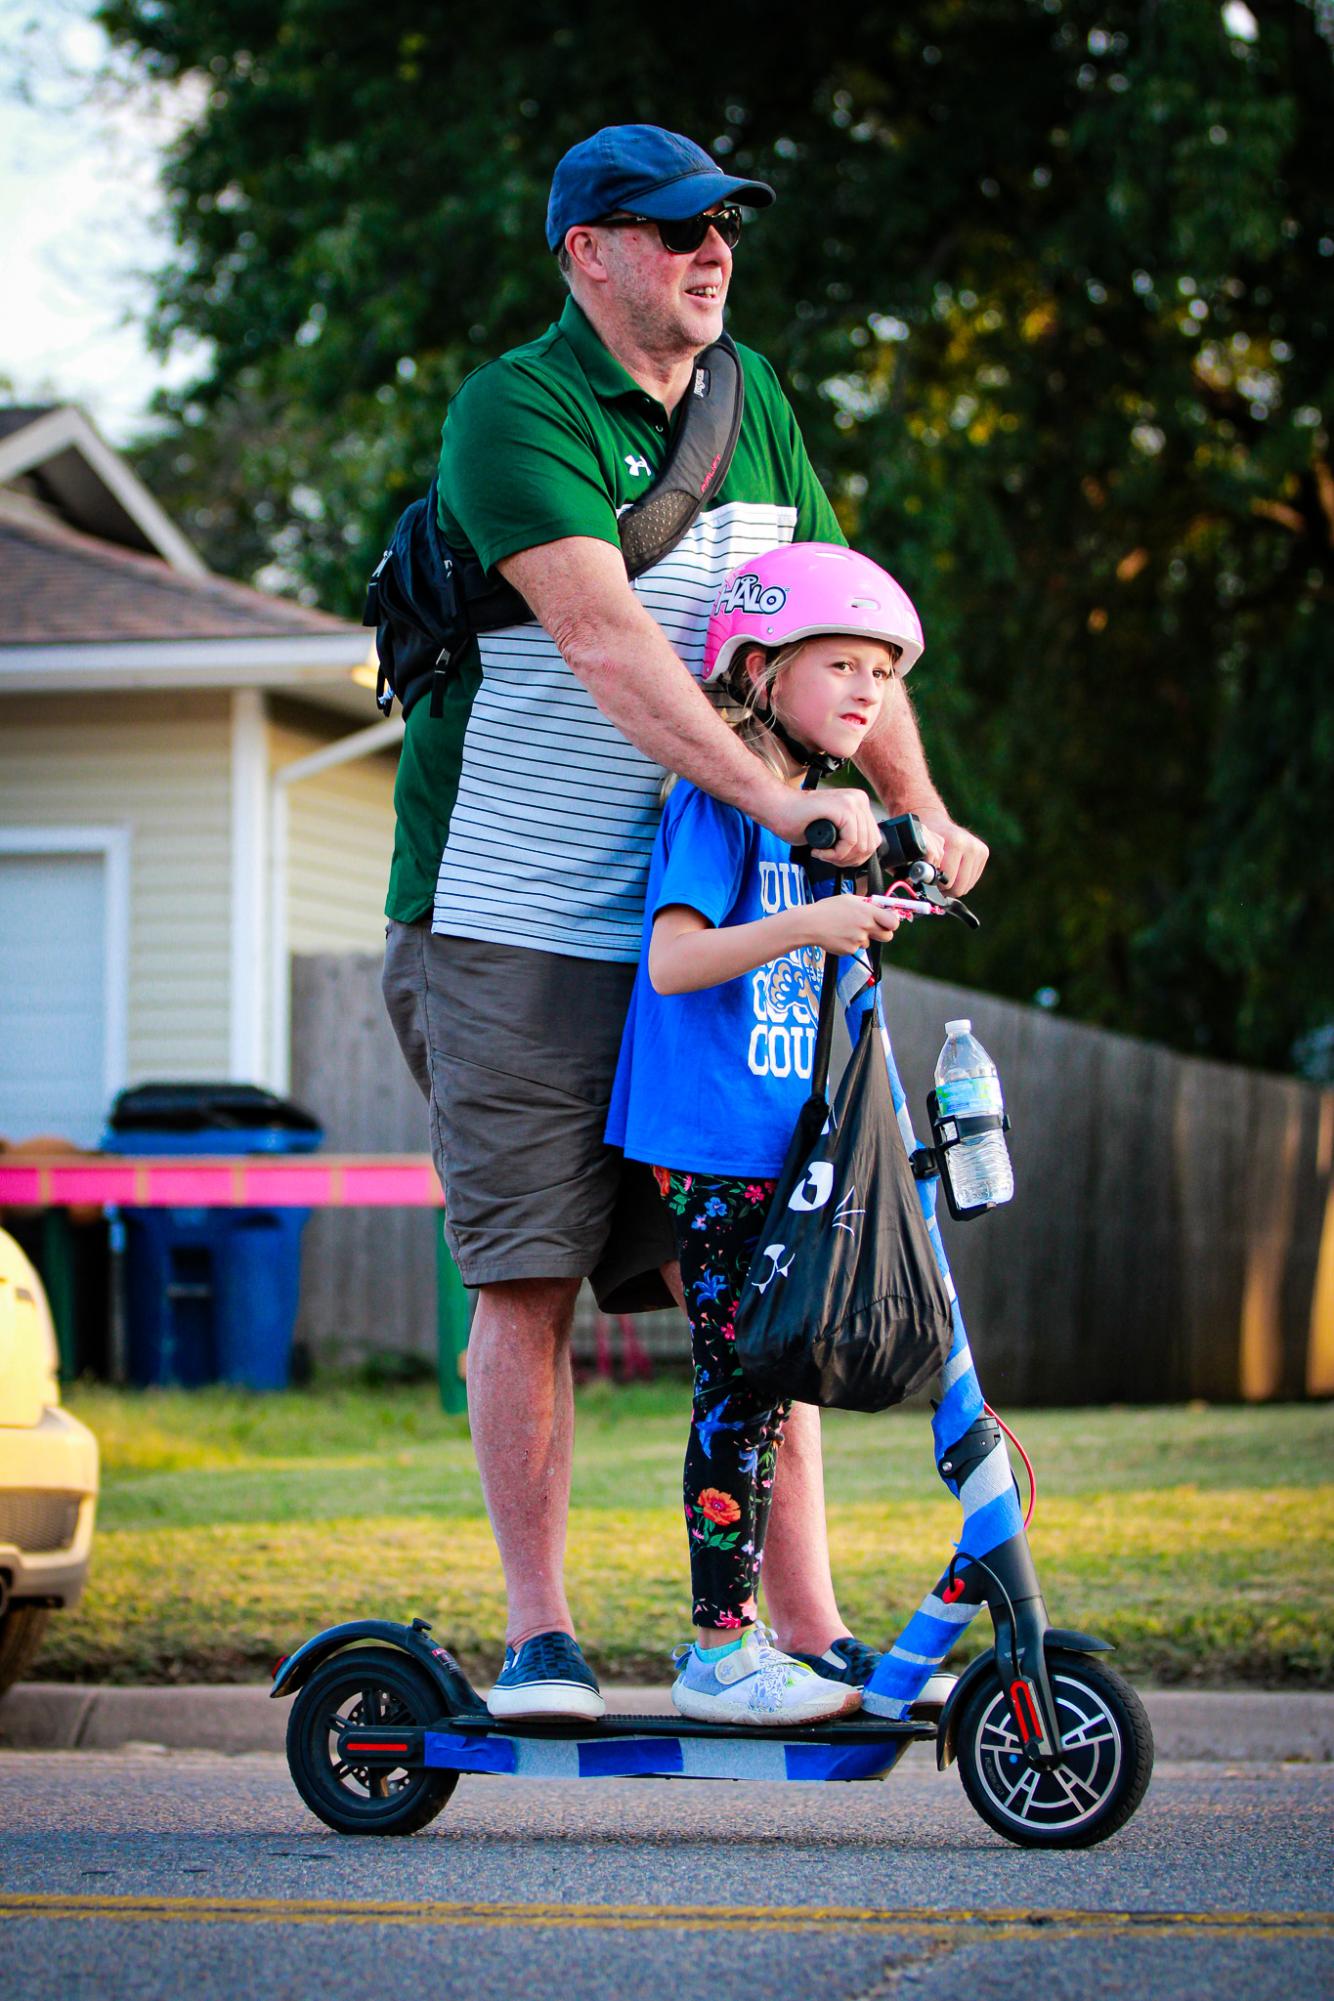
48,1471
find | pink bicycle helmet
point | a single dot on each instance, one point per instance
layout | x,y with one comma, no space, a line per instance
803,590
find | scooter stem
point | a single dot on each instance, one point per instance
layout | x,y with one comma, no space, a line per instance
1005,1580
1019,1614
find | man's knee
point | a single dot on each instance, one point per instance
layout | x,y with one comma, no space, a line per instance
527,1309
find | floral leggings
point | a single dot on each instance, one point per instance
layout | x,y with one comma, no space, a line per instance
734,1432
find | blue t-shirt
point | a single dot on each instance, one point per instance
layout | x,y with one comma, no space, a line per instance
712,1082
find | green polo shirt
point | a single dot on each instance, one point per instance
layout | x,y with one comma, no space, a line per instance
554,439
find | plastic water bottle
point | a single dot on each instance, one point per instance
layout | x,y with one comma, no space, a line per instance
968,1086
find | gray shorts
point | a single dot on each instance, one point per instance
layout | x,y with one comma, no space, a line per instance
515,1052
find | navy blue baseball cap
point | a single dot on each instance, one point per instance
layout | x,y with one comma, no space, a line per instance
646,170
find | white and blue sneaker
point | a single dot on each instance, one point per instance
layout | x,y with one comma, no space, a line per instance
756,1684
546,1676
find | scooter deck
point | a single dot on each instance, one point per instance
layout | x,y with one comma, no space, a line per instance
857,1729
638,1747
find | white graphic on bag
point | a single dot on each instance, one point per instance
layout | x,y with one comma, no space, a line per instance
785,995
845,1210
774,1252
815,1189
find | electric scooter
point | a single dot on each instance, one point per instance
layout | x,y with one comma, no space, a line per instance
1053,1746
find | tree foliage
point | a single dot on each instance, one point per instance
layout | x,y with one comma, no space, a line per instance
1050,284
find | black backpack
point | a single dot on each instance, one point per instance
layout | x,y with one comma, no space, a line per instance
426,602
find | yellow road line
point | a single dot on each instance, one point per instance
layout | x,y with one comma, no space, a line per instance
670,1917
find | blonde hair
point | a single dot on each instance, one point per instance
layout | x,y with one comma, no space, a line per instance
736,697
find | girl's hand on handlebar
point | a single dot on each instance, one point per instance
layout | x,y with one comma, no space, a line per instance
847,924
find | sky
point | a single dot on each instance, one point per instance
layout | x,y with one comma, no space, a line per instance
81,221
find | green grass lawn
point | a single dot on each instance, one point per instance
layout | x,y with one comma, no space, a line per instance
232,1526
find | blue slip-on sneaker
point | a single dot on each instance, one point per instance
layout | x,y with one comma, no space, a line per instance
853,1661
754,1683
847,1660
546,1676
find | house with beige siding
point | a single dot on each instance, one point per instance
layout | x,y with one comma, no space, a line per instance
193,786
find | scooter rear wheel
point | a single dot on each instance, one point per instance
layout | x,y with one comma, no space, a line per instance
365,1686
1100,1780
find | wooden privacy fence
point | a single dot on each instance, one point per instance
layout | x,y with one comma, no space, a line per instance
1171,1234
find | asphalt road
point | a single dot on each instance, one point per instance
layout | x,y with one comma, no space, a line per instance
132,1874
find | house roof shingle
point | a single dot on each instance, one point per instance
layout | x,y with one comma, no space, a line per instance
18,416
60,587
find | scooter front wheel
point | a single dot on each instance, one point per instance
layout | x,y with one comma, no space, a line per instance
1102,1775
367,1687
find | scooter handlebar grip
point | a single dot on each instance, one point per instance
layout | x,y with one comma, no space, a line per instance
822,834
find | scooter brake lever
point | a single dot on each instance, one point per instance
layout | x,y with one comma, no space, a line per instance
951,905
954,906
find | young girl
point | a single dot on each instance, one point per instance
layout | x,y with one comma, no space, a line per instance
717,1054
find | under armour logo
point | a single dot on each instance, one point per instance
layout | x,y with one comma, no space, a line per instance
774,1252
815,1188
637,467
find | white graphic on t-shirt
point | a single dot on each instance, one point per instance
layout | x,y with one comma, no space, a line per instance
782,885
786,994
816,1188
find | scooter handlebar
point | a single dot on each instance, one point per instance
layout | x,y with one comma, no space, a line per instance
902,840
902,850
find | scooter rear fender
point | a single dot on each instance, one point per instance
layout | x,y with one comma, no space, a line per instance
1057,1637
458,1697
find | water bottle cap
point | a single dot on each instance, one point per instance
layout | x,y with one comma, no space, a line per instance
958,1028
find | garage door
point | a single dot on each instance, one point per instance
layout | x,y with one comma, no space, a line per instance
53,1000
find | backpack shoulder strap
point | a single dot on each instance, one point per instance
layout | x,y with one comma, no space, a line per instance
697,463
427,602
650,528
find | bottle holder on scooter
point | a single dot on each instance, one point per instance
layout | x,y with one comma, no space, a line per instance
948,1130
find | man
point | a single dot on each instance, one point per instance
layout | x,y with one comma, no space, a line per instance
526,820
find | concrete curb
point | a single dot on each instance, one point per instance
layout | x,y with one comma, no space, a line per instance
1228,1726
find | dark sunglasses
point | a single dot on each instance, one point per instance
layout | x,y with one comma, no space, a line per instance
681,238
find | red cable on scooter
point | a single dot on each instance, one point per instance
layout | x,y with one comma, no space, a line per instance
1028,1463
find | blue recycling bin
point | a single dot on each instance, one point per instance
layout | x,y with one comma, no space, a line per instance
210,1294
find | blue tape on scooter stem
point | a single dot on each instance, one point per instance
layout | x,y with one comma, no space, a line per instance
959,1406
992,1525
630,1758
930,1639
896,1684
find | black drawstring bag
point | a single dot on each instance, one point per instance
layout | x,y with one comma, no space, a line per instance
844,1304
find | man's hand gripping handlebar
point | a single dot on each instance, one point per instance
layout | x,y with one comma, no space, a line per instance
900,859
847,817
